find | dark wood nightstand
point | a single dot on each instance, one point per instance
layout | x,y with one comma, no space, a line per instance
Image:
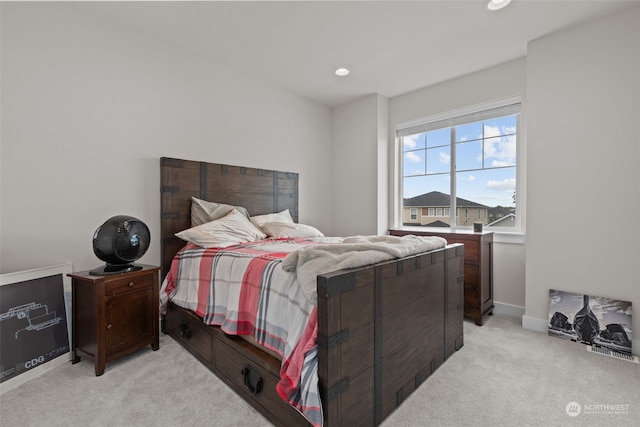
114,315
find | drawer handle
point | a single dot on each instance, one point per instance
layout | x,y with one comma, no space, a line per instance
131,284
246,373
185,331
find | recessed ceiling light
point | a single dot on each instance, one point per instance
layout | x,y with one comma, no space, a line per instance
341,72
497,4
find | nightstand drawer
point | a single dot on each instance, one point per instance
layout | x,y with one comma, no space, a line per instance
128,284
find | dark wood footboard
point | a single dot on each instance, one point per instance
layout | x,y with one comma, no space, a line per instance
382,331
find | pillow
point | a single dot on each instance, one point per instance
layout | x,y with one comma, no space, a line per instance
260,220
203,211
283,230
229,230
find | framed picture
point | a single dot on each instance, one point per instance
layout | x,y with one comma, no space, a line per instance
591,320
35,323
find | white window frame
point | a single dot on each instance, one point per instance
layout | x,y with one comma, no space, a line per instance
517,232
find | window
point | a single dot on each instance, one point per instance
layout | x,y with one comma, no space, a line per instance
472,156
414,214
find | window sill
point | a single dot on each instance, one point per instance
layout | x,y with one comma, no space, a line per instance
509,237
499,236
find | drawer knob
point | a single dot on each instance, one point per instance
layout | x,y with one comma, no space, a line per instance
131,284
109,326
246,373
185,331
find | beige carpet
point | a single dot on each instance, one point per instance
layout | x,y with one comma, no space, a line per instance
503,376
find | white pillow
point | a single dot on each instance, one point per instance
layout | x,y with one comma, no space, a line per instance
203,211
283,216
284,230
229,230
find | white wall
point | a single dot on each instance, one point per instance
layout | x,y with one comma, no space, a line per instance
360,167
583,96
88,108
500,82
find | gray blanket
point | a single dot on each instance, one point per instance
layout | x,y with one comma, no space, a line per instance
356,251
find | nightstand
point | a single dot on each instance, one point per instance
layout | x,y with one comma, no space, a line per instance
114,315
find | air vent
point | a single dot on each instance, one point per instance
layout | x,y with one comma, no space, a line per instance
615,354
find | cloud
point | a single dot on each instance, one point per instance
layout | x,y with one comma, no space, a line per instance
626,312
469,178
500,163
501,149
492,131
409,142
412,157
507,185
445,158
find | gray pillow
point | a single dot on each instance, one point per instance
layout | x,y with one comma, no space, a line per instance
203,211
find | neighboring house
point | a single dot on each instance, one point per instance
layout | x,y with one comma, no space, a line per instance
433,210
505,221
499,212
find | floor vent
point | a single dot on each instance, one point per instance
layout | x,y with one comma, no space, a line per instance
615,354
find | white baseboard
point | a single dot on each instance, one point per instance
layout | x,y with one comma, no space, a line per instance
535,324
528,322
508,309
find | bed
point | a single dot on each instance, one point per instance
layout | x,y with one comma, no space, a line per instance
382,329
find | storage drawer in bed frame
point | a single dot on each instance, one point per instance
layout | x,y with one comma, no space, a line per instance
254,376
188,329
250,372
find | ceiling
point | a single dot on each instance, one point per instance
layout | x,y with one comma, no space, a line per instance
391,47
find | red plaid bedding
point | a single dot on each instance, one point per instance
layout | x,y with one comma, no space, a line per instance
244,290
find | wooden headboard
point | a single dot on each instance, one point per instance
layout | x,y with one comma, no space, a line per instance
260,191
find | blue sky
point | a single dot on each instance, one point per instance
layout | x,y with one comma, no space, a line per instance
486,171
